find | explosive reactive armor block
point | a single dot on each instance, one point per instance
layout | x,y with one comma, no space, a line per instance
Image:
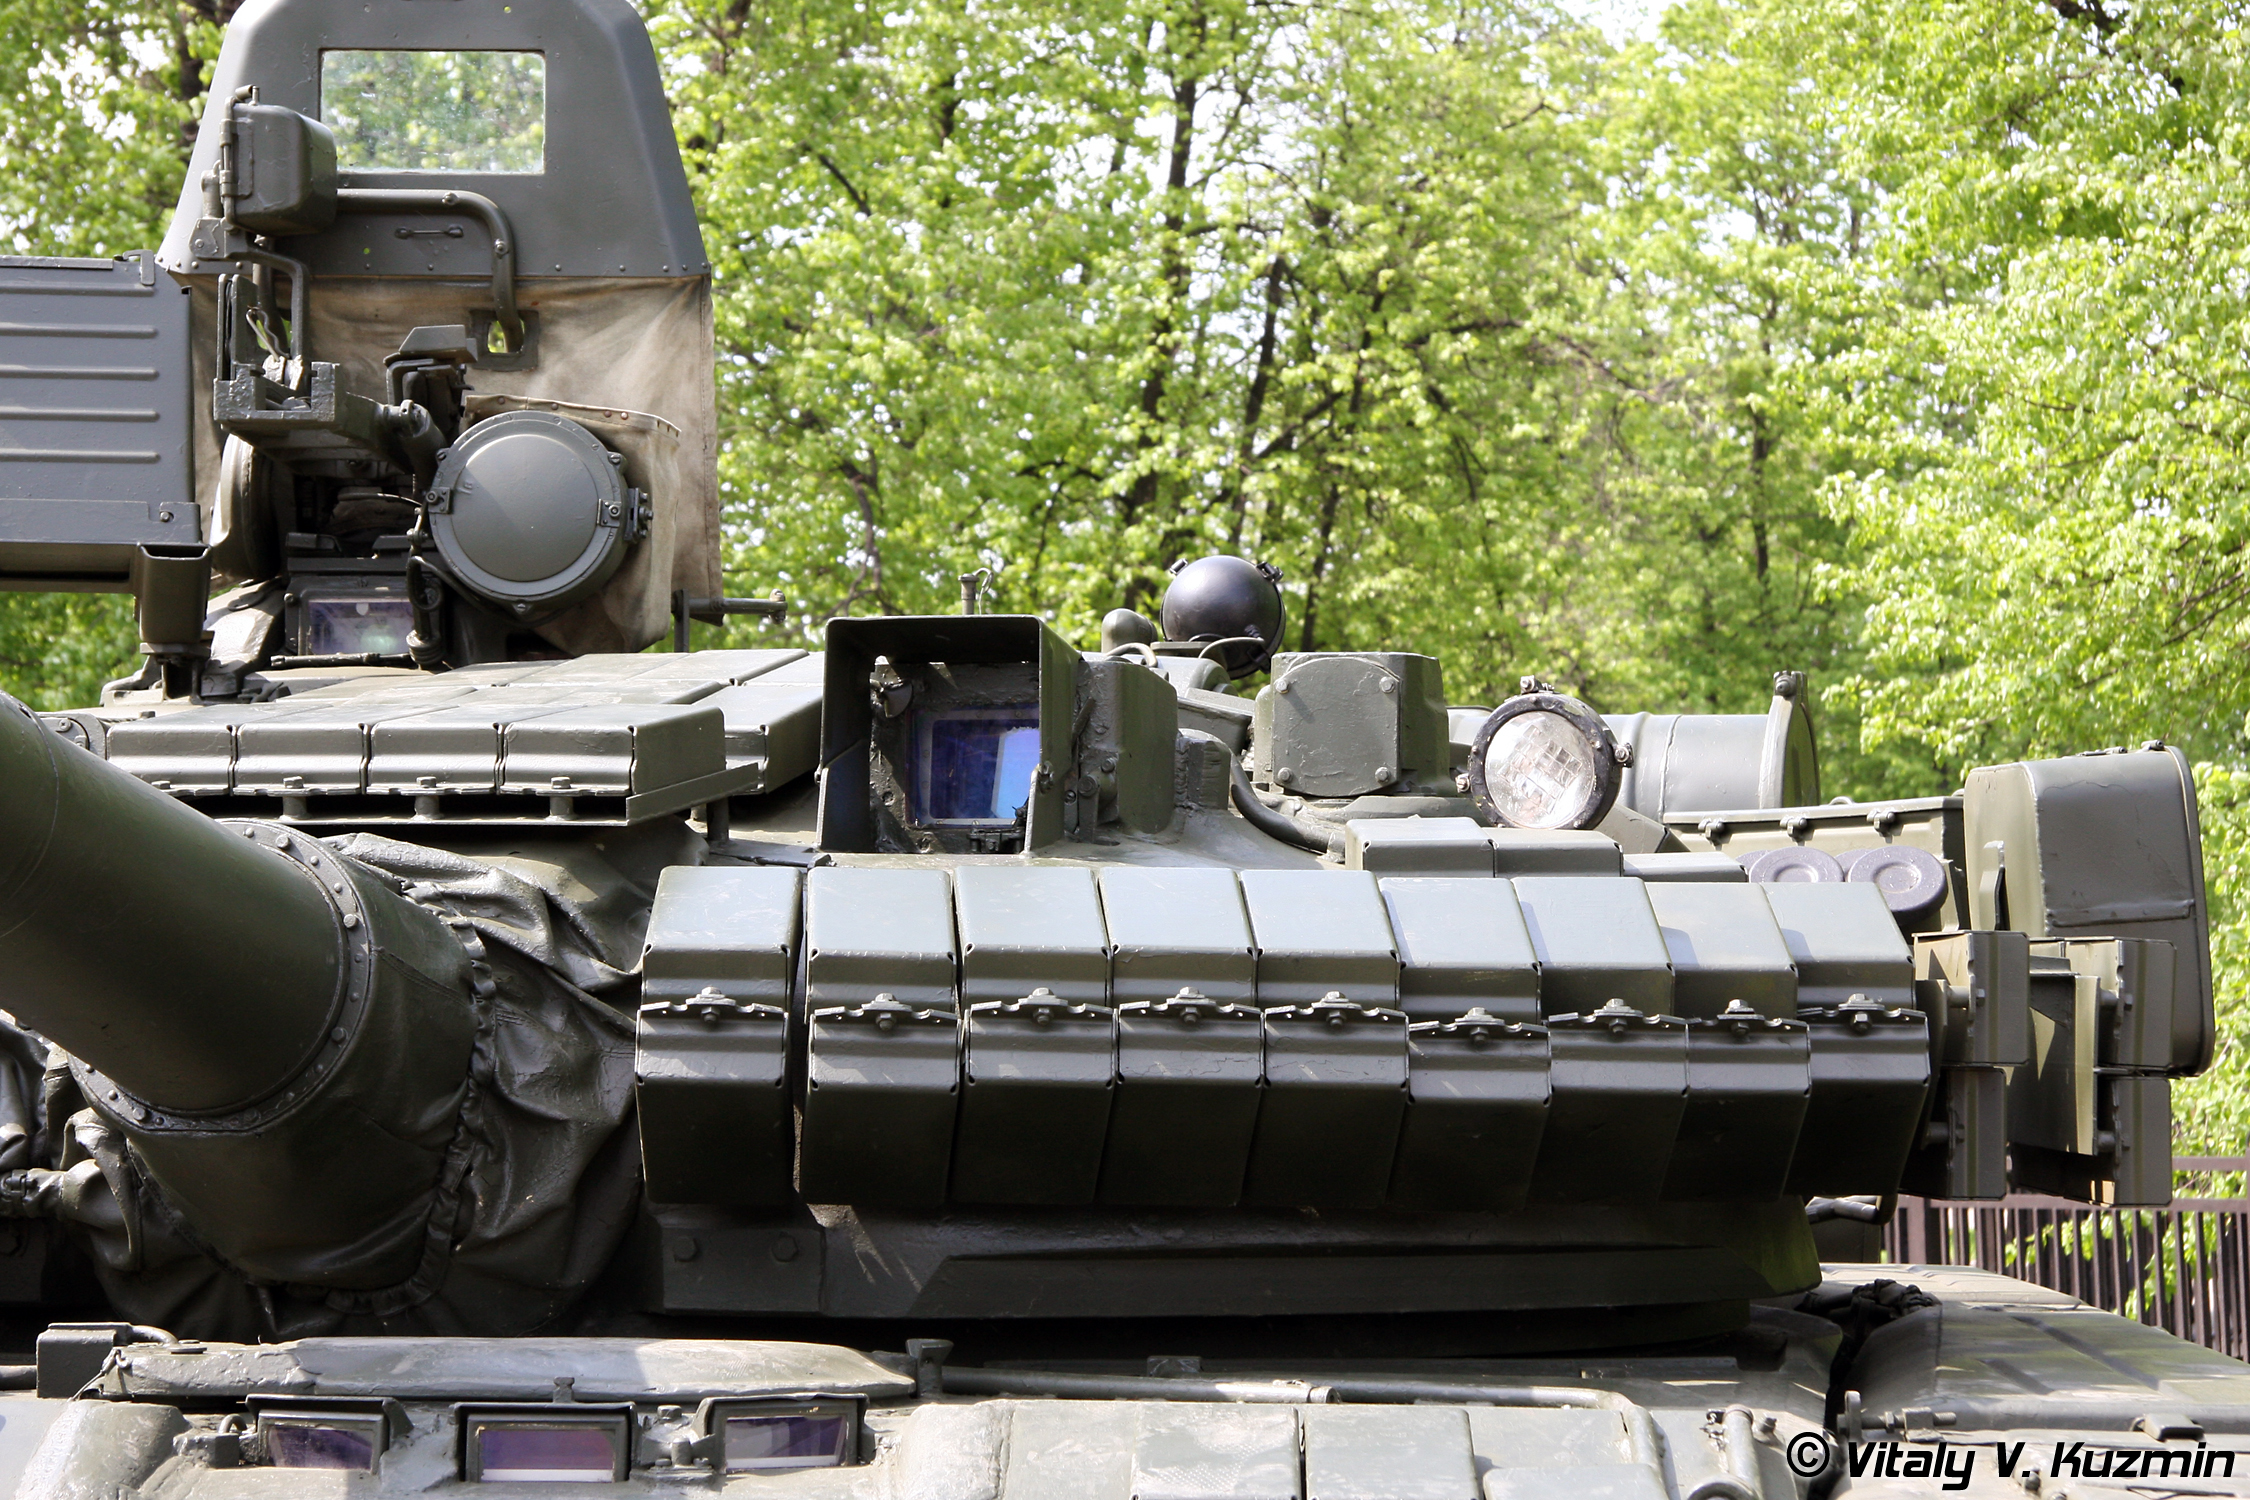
1478,1089
711,1059
1089,1065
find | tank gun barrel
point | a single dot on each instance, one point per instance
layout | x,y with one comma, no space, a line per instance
285,1038
193,967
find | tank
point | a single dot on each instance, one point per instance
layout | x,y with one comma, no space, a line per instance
453,1044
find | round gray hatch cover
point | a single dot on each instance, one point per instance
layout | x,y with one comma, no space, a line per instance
528,510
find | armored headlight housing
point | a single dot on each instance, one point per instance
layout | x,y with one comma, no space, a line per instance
1542,760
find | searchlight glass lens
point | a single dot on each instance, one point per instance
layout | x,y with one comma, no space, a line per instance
1539,770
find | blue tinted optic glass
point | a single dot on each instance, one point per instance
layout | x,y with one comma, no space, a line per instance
979,766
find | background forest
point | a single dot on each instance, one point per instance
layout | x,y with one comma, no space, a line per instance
1910,346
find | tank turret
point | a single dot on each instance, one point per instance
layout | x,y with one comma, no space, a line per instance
1017,980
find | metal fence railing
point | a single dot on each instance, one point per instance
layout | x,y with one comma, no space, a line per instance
2184,1268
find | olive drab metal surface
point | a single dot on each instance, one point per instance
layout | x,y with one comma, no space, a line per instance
1726,949
1597,942
447,1043
1039,1039
1463,947
711,1056
1478,1090
95,435
2054,845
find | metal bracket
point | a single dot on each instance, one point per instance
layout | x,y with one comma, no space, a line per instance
687,607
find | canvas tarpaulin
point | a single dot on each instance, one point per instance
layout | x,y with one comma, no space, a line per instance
632,348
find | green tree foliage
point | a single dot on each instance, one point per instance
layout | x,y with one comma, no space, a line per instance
1734,248
2049,422
98,100
2211,1114
1069,293
97,105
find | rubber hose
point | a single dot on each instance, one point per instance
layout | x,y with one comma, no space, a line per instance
1279,825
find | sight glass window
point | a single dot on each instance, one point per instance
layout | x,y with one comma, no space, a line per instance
436,111
530,1445
768,1437
372,625
321,1442
975,764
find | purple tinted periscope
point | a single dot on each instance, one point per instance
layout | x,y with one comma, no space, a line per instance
315,1445
796,1441
576,1453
